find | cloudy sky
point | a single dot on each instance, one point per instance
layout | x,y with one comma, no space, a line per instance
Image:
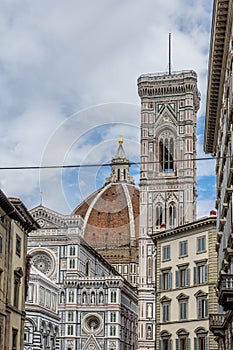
68,82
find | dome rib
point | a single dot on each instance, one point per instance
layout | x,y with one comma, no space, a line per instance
131,214
92,204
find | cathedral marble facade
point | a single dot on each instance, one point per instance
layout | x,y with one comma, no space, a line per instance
42,323
97,307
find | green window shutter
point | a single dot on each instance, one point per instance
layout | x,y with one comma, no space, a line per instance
160,345
188,344
170,344
177,344
195,275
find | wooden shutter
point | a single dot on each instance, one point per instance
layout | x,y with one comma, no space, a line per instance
187,277
206,343
161,281
177,279
169,280
206,307
206,273
199,308
195,275
195,344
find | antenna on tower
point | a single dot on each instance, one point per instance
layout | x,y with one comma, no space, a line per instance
169,54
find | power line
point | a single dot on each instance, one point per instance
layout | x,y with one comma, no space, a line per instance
38,167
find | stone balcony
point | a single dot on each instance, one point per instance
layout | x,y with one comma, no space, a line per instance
217,324
225,291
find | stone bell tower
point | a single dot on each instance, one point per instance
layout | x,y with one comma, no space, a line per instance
169,104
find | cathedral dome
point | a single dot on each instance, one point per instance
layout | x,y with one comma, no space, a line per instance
111,214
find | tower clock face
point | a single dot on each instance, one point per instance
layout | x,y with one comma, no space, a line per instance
43,263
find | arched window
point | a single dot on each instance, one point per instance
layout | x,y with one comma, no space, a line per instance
70,330
87,272
112,330
62,297
72,250
101,297
71,296
113,297
201,339
172,214
183,340
84,298
165,343
158,214
166,154
149,267
72,263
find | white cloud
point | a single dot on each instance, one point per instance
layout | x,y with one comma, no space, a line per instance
59,57
204,167
204,207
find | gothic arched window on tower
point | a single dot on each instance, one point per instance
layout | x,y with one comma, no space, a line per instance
118,174
158,215
166,154
172,214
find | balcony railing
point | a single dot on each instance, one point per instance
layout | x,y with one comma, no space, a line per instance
225,291
217,324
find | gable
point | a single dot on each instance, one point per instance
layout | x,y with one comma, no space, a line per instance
48,218
91,344
166,115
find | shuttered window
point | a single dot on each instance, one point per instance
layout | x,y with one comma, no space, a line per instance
202,304
200,274
182,277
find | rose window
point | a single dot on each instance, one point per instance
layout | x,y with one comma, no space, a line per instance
43,263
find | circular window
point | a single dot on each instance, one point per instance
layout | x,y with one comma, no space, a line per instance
43,263
92,323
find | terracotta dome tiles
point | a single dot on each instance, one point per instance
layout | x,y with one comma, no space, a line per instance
110,218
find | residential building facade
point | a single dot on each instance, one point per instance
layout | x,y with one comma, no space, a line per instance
185,277
15,224
219,141
169,104
97,306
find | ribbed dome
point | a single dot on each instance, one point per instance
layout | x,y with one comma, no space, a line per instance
111,214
